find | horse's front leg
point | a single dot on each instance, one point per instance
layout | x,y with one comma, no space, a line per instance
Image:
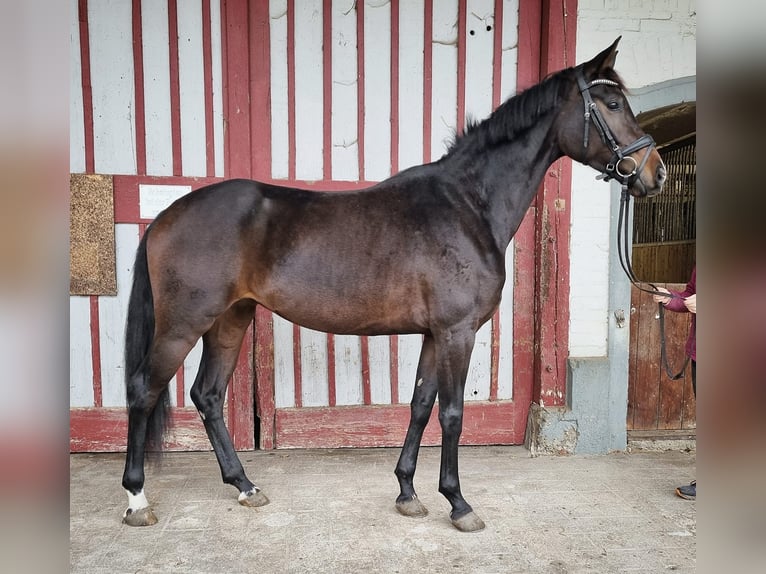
423,397
453,357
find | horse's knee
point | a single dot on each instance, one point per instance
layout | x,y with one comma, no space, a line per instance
451,420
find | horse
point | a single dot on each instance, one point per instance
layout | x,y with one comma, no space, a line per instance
421,252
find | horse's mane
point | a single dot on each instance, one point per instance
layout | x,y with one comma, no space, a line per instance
520,112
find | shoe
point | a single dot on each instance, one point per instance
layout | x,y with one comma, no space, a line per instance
688,492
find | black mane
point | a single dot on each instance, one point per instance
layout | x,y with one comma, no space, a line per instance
520,112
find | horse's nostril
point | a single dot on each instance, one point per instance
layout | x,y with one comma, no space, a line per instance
661,174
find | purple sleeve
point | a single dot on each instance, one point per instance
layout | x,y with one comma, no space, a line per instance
677,303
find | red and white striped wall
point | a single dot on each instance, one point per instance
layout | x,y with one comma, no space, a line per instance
326,94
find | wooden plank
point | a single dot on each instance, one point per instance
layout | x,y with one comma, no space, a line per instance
106,430
654,401
378,426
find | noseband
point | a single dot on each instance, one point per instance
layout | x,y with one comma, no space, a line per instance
613,169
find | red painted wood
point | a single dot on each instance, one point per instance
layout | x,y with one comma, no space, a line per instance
180,388
360,86
241,398
291,89
386,425
106,429
327,89
138,80
494,356
260,90
95,351
331,377
87,88
393,349
428,33
523,274
175,88
236,88
552,223
297,371
394,86
364,343
264,375
461,55
126,206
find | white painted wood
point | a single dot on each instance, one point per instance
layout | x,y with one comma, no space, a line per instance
348,370
76,114
284,365
510,38
279,118
345,144
409,354
154,32
80,353
510,48
505,359
191,79
112,315
479,58
478,105
308,90
217,76
380,369
111,67
411,24
377,90
191,367
314,388
444,77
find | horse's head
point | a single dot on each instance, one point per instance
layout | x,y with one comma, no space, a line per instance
601,130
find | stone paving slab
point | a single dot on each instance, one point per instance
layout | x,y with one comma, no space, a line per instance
332,511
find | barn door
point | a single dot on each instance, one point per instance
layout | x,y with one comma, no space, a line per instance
664,241
358,92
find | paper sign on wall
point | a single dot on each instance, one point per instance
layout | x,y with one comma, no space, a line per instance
154,198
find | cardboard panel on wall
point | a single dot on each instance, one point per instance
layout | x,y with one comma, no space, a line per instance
92,268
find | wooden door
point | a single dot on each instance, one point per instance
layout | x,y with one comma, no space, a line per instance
657,406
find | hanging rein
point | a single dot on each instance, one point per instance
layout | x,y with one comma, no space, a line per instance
616,170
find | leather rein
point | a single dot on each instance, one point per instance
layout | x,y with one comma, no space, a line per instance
612,170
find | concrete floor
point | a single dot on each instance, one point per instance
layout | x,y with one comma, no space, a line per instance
332,511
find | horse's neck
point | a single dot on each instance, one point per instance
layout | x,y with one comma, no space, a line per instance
510,177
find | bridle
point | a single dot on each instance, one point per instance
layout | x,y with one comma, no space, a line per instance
612,170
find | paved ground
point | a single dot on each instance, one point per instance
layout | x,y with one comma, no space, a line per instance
332,511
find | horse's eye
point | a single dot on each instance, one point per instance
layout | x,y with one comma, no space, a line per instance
613,105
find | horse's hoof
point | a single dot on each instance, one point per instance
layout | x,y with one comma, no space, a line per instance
468,523
141,517
411,507
253,498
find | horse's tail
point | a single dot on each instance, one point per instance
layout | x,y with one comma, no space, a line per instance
139,333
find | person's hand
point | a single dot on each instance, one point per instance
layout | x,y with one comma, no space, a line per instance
662,298
691,303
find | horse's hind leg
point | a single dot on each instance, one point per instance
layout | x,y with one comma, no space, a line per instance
423,397
221,345
147,396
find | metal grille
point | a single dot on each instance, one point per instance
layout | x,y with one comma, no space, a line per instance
670,215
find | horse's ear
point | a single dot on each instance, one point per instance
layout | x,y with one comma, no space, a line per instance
603,61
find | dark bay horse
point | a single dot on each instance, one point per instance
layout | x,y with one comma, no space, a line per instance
422,252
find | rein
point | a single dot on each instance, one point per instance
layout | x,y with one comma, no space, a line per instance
612,170
623,245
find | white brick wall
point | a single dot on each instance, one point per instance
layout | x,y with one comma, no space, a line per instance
658,44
